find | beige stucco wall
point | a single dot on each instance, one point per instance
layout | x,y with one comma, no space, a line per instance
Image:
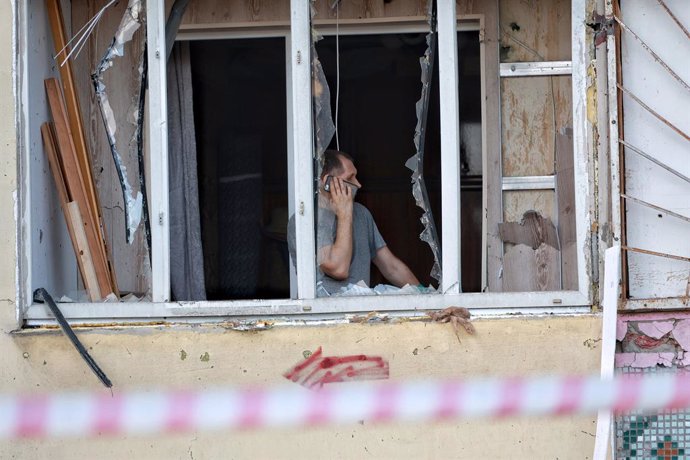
149,357
152,357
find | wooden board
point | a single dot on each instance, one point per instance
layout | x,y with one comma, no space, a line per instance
529,270
516,203
529,129
565,197
80,244
75,123
535,30
82,251
248,11
74,181
533,230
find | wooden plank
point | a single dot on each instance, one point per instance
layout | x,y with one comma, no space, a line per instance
534,110
74,180
77,235
223,11
78,136
565,197
51,149
82,251
531,270
541,27
533,231
533,263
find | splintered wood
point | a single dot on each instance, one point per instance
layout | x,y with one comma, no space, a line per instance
533,263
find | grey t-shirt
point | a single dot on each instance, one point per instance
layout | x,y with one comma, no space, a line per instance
366,241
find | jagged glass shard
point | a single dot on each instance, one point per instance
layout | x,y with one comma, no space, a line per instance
416,162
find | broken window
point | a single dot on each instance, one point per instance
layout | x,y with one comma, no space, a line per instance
504,167
376,86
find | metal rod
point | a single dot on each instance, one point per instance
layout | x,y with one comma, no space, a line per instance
650,110
655,207
654,55
675,19
654,253
67,329
654,160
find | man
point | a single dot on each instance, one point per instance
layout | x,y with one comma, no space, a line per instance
347,237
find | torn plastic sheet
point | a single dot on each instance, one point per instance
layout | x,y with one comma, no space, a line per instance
324,128
131,21
416,163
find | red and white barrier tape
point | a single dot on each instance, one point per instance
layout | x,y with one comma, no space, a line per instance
80,414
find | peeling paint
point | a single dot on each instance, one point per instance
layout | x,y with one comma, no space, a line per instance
183,355
656,329
592,93
621,329
681,333
643,360
205,357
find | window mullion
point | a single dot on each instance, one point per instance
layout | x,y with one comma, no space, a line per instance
302,167
158,158
450,145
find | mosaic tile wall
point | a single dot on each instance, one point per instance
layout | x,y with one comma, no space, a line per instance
658,436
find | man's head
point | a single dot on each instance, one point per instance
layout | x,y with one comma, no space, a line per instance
339,164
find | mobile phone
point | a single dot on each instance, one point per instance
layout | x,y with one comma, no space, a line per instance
327,185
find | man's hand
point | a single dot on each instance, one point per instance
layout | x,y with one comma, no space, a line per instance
335,260
342,198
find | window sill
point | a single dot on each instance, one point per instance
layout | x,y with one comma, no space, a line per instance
562,302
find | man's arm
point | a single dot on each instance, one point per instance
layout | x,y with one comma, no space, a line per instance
394,269
334,260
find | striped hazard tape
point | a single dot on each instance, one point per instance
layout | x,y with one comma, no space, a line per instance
93,414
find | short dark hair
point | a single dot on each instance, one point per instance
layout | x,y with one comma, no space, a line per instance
332,164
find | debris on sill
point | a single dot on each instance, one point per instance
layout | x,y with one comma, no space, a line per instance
458,317
248,326
361,289
369,318
83,297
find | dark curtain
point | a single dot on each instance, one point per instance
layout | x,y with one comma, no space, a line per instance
186,254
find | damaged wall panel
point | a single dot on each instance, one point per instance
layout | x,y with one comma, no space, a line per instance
650,229
529,129
122,81
535,30
530,264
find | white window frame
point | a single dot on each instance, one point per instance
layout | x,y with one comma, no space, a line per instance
306,305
